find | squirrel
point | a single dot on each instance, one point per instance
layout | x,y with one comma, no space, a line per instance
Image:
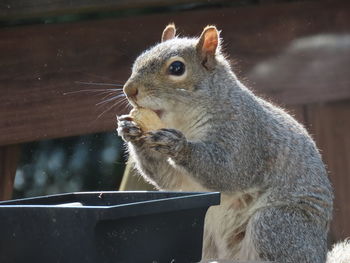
276,198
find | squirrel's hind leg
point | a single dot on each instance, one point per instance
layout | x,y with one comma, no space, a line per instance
210,249
289,235
247,250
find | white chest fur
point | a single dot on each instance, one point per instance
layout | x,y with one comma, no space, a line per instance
226,233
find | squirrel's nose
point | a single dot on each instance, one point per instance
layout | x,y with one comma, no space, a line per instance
130,90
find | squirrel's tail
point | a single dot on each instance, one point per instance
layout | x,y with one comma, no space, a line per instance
340,253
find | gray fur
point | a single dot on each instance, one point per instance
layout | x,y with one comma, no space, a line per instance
222,137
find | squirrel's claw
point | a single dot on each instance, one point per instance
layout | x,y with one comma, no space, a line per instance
169,142
128,130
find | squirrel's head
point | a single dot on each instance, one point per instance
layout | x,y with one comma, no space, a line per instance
176,71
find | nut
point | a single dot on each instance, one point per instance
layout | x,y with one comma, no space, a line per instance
147,119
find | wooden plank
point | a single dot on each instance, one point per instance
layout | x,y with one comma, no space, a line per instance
330,125
22,9
9,156
38,64
307,70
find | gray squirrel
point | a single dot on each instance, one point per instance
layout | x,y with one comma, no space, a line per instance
276,201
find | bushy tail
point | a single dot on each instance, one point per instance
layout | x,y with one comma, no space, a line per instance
340,253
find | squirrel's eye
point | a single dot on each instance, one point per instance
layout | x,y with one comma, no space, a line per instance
177,68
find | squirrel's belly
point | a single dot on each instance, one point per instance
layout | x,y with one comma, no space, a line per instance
226,234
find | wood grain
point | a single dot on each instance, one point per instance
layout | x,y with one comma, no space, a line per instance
21,9
330,125
39,63
9,156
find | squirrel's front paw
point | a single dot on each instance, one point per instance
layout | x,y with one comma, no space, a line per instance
169,142
128,129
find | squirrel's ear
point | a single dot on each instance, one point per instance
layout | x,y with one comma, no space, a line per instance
207,45
169,32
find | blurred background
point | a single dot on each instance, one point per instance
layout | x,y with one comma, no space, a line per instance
61,63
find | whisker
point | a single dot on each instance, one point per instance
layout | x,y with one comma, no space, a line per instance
108,109
126,103
109,94
98,83
122,101
103,105
93,90
110,99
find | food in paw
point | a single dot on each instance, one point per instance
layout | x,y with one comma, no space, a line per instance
147,119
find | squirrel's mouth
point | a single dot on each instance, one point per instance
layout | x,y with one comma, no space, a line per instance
159,113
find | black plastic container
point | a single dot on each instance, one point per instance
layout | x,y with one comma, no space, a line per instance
105,227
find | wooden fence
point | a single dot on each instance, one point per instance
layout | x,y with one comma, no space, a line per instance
295,52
